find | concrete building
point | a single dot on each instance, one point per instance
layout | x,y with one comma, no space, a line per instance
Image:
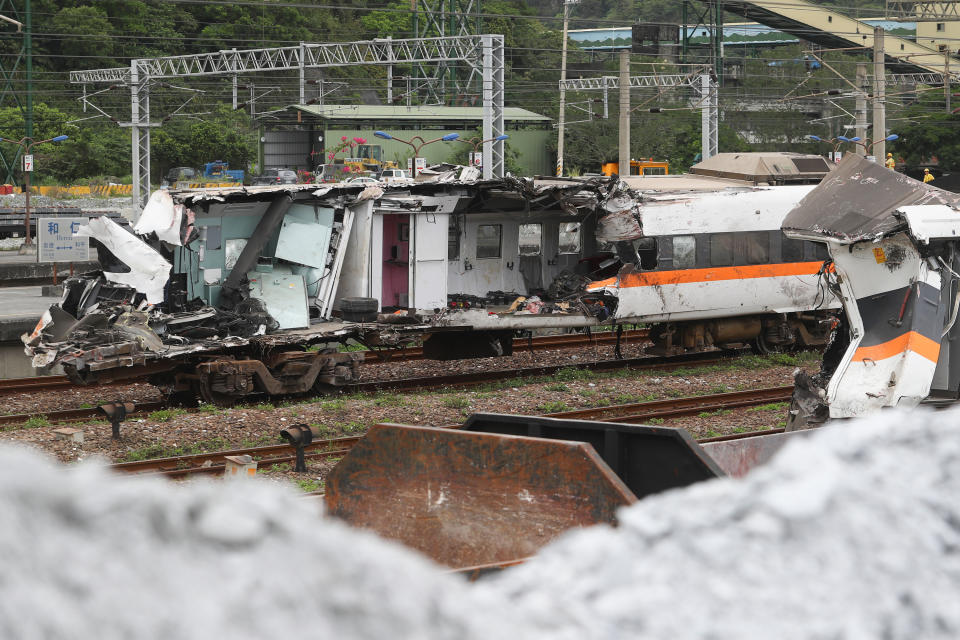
307,133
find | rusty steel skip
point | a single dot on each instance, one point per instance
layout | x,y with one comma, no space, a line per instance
490,494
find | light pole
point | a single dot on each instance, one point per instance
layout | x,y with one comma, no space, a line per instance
475,142
416,145
867,146
836,142
27,170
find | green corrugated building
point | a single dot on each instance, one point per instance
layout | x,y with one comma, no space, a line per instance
529,132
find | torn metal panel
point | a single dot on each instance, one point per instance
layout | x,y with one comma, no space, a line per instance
859,201
893,242
891,297
149,271
163,217
930,221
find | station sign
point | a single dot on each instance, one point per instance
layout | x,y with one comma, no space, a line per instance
57,242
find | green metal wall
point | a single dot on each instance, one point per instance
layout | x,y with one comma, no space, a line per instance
530,145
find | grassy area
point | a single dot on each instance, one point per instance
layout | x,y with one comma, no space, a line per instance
166,415
157,450
773,406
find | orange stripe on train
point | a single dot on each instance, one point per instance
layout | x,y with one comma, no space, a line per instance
712,274
910,341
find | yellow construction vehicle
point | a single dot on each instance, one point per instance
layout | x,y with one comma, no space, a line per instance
648,167
369,158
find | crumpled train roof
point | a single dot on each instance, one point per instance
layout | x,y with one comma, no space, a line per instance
859,200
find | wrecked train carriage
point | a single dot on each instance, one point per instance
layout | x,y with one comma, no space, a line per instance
224,289
710,265
243,280
894,244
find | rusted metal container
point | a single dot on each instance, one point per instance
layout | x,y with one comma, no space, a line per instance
468,499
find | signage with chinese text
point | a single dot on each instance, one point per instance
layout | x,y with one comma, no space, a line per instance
56,241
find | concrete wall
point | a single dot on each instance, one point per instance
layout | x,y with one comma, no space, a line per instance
929,35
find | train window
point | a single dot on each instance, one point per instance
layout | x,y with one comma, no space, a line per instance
453,239
817,250
646,253
684,251
530,239
489,237
569,240
790,250
757,246
721,250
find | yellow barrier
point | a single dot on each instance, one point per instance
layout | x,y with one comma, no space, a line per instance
105,190
97,190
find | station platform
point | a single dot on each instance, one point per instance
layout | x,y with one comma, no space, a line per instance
22,270
20,309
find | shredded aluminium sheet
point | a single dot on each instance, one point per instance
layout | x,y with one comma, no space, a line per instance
852,533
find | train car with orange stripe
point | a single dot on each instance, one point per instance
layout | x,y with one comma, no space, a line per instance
714,269
895,247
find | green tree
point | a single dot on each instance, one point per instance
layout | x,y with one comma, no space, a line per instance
397,23
87,37
223,135
930,135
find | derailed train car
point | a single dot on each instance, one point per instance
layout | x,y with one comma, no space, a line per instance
894,243
227,292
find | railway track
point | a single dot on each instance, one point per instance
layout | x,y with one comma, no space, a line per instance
213,463
408,384
565,341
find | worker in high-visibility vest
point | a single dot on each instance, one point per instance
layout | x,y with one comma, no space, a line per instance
927,176
890,163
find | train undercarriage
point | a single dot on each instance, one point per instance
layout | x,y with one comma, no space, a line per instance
764,334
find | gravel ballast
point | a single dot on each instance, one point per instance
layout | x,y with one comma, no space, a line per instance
846,535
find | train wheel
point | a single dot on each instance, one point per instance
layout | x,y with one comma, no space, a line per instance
80,378
207,394
762,347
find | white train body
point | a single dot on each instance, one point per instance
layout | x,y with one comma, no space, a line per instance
721,254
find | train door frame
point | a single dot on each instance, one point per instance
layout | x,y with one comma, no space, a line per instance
395,252
427,270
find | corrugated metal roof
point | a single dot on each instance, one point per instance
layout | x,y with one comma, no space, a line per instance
420,112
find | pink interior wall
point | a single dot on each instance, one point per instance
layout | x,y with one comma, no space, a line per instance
395,273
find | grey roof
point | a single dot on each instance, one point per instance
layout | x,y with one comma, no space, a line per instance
858,201
419,112
765,166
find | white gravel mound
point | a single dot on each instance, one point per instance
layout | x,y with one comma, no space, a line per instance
85,554
851,534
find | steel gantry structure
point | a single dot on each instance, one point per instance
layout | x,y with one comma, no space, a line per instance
445,18
483,54
702,81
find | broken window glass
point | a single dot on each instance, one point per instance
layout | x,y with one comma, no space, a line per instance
757,247
684,252
453,239
646,252
721,250
489,237
233,250
530,239
569,241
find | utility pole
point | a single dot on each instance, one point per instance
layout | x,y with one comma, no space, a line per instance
28,52
879,99
563,89
946,77
624,159
861,109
